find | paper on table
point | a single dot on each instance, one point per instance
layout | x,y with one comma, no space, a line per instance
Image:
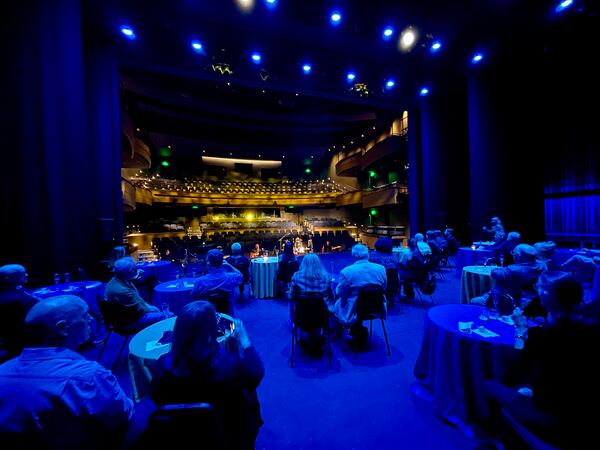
506,319
188,285
484,332
153,345
171,286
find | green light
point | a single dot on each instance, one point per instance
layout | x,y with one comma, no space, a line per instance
372,174
373,212
165,152
195,207
165,163
291,207
307,170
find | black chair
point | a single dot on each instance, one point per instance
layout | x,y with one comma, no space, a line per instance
530,439
393,287
370,305
179,426
219,298
503,303
114,317
310,314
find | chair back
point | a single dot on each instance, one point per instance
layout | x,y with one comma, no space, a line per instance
219,298
393,283
187,425
242,264
311,311
117,317
504,303
370,303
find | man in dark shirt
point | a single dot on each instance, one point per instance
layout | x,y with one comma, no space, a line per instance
15,302
241,263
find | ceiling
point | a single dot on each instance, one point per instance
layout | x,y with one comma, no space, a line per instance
179,98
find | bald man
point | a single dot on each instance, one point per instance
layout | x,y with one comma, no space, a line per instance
51,396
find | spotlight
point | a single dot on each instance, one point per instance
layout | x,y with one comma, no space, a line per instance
256,58
564,4
424,91
270,4
408,39
306,68
128,32
335,18
350,77
435,47
197,47
389,84
477,57
387,34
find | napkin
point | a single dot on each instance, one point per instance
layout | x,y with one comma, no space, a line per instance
171,286
484,332
506,319
152,345
465,327
188,285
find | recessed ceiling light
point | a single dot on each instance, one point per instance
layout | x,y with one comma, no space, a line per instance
335,18
128,32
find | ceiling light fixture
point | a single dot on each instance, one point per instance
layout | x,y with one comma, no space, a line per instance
128,32
335,18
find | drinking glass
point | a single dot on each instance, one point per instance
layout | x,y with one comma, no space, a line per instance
67,277
56,278
501,260
164,307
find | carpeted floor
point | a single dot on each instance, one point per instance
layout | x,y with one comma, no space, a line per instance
362,402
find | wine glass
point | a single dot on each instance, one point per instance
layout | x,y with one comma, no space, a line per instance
56,278
501,260
67,277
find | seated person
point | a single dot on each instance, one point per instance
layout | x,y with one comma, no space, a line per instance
516,280
220,276
582,267
311,277
327,247
545,251
199,369
51,396
383,255
241,263
15,302
412,269
495,232
451,242
288,265
256,251
352,278
558,367
423,246
136,312
502,250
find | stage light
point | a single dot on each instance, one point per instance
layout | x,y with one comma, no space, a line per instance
389,84
435,47
335,18
387,33
350,77
256,58
408,39
128,32
477,57
245,6
306,68
424,91
563,5
270,4
197,47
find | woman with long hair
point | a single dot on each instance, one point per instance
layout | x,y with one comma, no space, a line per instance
199,369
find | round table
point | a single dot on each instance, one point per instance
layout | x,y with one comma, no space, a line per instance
475,281
160,269
452,366
88,291
467,256
176,294
145,349
263,271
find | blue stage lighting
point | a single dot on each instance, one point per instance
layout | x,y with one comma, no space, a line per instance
335,18
256,58
435,47
477,57
564,4
306,68
128,32
350,77
197,47
424,91
389,84
388,33
271,4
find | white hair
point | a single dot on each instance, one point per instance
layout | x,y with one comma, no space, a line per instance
359,251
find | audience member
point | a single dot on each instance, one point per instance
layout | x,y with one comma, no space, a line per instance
516,280
495,232
256,251
220,276
423,246
241,263
545,251
52,397
502,250
412,269
352,279
288,265
15,302
558,369
136,313
451,241
199,369
383,254
311,277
